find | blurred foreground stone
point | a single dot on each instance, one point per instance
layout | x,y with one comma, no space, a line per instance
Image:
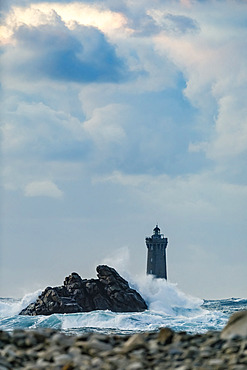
166,349
237,325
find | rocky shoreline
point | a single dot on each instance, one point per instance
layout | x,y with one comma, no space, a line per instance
52,350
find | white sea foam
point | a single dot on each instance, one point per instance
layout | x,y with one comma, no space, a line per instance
144,321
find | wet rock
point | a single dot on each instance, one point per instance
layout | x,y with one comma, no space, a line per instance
109,292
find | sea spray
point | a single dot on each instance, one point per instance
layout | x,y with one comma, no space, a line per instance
163,296
159,294
10,306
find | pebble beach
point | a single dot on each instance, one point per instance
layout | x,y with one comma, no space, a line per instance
165,349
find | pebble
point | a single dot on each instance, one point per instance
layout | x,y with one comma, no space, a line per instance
165,336
99,345
135,366
48,349
134,342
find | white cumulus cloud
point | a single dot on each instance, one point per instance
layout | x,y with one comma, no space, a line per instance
44,188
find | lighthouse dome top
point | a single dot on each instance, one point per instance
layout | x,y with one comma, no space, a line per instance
156,235
156,230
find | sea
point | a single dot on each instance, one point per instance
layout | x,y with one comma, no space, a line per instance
168,306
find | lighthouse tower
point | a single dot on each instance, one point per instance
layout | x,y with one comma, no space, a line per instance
156,259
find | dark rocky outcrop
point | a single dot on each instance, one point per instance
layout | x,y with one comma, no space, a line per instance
109,292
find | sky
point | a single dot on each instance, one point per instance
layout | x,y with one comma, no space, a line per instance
117,115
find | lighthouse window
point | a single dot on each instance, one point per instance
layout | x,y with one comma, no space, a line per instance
151,247
151,259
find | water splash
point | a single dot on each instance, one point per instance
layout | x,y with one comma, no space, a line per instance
162,296
10,306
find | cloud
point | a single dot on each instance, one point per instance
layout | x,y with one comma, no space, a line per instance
105,124
43,189
173,23
179,58
215,81
150,133
37,12
53,51
231,129
180,23
188,197
37,131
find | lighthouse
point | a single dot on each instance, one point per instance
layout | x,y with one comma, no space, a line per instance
156,258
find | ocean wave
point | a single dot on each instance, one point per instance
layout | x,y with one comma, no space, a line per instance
168,306
107,321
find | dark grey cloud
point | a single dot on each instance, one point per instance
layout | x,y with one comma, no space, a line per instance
143,25
181,23
80,55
